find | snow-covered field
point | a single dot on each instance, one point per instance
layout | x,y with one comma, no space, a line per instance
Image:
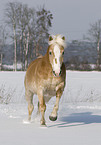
79,116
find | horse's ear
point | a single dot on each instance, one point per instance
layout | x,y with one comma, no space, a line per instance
63,38
50,38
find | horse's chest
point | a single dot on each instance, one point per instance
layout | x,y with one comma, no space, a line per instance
51,84
50,88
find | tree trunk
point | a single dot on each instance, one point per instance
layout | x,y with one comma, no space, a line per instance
21,50
98,54
1,63
26,52
15,49
21,55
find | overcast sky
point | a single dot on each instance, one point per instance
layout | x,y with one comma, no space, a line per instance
71,17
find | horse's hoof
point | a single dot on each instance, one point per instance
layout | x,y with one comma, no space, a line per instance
43,123
53,118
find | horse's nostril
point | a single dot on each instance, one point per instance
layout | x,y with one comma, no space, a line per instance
54,72
60,73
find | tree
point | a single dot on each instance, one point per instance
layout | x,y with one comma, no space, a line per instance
95,35
11,14
30,29
26,25
3,37
44,22
19,17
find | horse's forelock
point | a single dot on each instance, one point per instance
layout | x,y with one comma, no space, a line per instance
57,39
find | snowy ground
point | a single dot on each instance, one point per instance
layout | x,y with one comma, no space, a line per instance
79,117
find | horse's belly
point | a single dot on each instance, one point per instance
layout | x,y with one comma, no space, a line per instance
48,94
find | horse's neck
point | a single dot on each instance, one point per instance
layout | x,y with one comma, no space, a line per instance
46,58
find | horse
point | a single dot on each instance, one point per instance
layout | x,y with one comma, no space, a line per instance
46,77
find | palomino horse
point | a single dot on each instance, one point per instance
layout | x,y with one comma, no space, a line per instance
45,77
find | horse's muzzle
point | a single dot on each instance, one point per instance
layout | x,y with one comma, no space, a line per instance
57,74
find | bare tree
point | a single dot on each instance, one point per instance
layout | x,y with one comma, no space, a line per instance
26,25
3,37
44,23
30,28
95,35
11,19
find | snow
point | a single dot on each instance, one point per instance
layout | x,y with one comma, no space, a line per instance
79,116
11,67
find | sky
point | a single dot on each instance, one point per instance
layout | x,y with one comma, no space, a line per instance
71,18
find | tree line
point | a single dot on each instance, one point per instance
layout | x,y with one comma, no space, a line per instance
27,29
94,36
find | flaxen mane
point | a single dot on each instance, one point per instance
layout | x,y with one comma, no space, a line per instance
57,39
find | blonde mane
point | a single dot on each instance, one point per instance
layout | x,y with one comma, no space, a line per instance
57,39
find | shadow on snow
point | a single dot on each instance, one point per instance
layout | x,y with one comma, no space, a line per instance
77,119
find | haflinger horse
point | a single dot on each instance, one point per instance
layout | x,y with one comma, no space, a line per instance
45,77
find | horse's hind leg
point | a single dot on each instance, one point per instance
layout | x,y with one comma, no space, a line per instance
29,98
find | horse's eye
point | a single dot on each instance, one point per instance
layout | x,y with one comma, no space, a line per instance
63,53
50,53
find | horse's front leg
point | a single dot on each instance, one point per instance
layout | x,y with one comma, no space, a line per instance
53,115
42,106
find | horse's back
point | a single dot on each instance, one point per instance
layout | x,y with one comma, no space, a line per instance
34,62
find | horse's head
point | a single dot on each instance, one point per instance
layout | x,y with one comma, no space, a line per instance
56,53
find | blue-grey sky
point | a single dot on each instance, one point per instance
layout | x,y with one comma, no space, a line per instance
72,18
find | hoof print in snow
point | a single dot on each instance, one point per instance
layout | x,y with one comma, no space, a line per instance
53,118
26,121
